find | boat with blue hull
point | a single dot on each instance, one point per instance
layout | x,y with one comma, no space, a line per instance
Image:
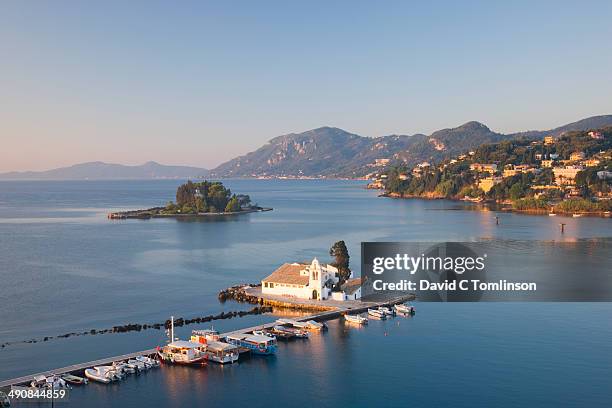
257,343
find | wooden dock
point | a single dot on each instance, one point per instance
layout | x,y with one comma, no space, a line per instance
79,368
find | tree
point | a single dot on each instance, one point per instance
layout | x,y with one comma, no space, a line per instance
341,261
233,205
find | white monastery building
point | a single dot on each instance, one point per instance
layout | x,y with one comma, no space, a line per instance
309,281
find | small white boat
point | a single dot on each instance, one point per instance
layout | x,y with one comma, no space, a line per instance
377,314
316,326
262,333
102,374
50,382
576,215
123,368
309,325
406,309
387,311
552,214
151,362
139,366
4,400
73,379
357,319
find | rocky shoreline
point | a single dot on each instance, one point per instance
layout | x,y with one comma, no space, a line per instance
238,293
488,205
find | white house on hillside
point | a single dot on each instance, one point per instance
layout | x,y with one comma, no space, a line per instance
304,281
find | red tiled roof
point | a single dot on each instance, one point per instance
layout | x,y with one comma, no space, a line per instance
289,274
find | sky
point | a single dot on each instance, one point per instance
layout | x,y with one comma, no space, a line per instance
198,83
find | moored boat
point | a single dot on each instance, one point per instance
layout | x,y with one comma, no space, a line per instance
406,309
181,352
258,344
377,314
357,319
221,352
102,374
73,379
4,400
213,348
138,365
315,326
123,368
50,382
386,310
148,361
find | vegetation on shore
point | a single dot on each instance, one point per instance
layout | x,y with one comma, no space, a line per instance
341,261
206,197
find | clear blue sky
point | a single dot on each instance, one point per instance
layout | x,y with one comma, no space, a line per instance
198,83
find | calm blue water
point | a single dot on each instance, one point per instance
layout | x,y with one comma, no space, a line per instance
64,267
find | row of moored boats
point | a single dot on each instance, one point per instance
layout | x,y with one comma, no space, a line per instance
381,313
209,345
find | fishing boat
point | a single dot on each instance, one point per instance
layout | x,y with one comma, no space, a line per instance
208,334
213,348
377,314
180,351
221,352
4,400
102,374
357,319
406,309
387,311
258,344
73,379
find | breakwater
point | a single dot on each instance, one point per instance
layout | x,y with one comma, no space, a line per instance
130,327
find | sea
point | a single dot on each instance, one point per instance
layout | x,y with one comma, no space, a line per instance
66,268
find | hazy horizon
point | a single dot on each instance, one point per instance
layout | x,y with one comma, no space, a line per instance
199,83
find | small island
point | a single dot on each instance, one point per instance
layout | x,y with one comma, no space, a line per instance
205,198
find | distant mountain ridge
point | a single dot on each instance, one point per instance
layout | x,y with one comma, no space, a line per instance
333,152
109,171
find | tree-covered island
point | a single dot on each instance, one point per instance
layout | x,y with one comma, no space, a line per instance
569,174
198,199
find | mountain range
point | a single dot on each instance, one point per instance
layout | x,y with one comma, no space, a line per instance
333,152
321,152
109,171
